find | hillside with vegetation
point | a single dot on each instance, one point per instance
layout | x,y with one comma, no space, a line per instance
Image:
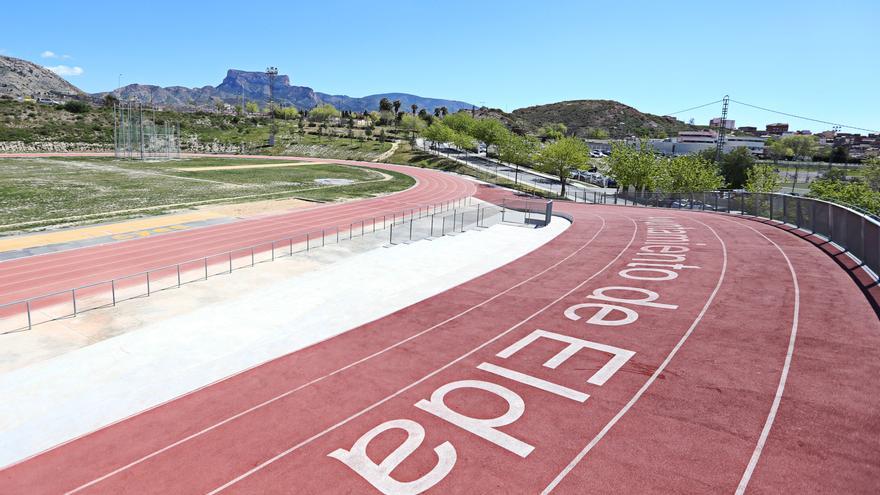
599,119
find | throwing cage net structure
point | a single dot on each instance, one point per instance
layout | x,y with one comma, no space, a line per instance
138,136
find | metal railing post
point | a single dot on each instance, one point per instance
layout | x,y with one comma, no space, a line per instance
148,283
178,275
443,228
73,298
230,261
27,307
206,268
410,226
432,225
478,215
454,215
391,234
113,291
503,208
362,228
323,242
252,256
308,241
462,222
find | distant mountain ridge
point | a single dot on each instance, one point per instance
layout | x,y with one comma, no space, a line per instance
254,86
22,78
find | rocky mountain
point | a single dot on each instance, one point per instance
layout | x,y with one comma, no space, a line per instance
254,86
583,116
19,78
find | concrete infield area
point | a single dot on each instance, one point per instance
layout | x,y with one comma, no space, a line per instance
640,350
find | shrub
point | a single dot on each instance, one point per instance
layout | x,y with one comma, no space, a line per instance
76,106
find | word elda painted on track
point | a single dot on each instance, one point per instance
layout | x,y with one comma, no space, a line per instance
660,258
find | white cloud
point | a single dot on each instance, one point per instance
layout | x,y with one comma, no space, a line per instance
51,54
63,70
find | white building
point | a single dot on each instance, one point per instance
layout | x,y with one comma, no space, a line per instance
689,142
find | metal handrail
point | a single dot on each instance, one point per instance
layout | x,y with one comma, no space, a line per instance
421,211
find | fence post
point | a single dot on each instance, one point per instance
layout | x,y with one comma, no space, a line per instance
410,226
206,268
323,243
362,228
308,241
27,307
73,298
503,208
178,275
391,234
252,256
454,214
812,216
273,250
478,215
462,221
742,203
230,261
443,228
113,291
830,223
432,225
148,283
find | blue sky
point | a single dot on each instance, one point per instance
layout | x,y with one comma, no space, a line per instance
818,59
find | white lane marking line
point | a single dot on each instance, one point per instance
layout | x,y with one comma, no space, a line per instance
340,370
426,377
783,377
579,457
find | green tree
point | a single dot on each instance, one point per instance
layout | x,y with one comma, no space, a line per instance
851,193
838,154
735,166
252,107
460,122
631,166
323,113
438,132
871,172
412,124
597,133
687,174
385,105
489,131
561,157
414,107
553,131
801,146
518,150
762,178
396,105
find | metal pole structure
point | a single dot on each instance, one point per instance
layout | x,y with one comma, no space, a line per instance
113,291
410,226
719,147
27,307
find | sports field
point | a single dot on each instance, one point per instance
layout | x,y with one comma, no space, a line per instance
45,191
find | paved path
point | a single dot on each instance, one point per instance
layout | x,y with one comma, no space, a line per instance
642,350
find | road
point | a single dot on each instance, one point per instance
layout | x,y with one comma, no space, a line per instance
574,190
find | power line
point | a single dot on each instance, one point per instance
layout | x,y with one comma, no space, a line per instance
804,118
694,108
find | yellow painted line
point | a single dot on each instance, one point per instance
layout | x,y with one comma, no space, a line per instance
239,167
129,229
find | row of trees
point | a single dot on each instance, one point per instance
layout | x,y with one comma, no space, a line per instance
559,157
863,192
641,168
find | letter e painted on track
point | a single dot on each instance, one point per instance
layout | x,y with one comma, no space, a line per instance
379,475
483,428
621,356
599,317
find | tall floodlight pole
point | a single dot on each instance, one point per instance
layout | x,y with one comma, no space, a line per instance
719,148
272,73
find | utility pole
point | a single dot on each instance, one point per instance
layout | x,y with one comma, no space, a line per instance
719,148
272,73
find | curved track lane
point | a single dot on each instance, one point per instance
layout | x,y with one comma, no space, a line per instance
39,275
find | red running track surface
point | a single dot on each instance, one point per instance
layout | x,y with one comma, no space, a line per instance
753,368
29,277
